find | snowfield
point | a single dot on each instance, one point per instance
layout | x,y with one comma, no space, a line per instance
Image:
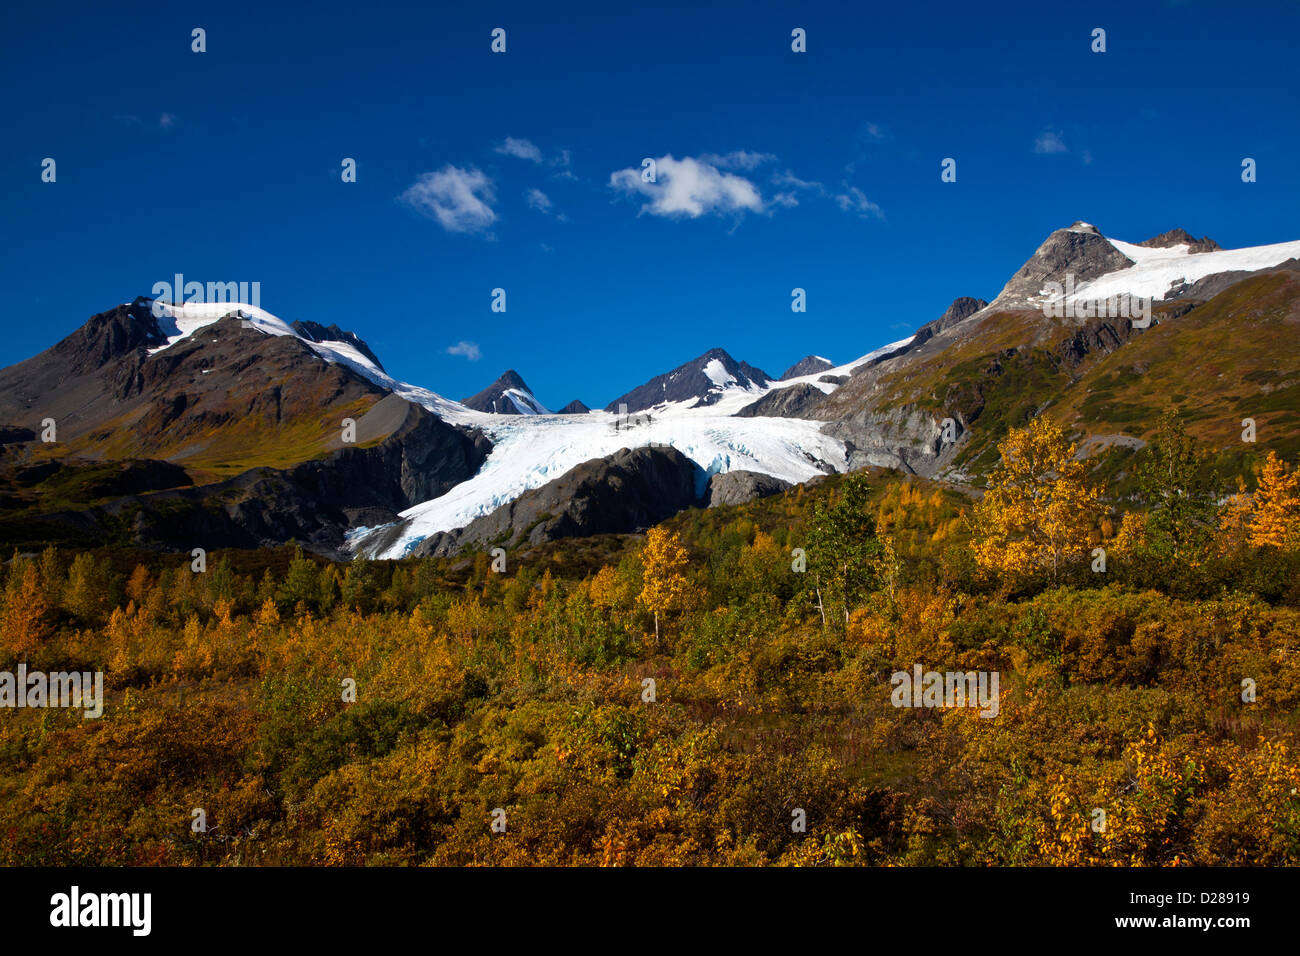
1154,271
530,451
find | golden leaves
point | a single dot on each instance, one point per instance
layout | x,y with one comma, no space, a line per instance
1038,511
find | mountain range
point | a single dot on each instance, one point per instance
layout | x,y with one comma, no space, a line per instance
221,425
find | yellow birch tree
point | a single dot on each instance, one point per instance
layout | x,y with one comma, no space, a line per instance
1038,511
665,587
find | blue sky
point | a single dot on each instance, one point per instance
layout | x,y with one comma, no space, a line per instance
476,170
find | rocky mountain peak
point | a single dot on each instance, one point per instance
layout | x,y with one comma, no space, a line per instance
1081,251
963,307
807,366
110,335
315,332
1181,237
508,395
700,381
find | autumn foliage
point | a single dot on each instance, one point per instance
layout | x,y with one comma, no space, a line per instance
1163,691
1039,509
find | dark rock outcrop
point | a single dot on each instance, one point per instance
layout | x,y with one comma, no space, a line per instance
110,335
961,309
630,490
789,402
15,434
1181,237
737,487
574,407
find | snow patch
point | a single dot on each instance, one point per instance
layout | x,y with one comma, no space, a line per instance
717,373
178,322
1155,271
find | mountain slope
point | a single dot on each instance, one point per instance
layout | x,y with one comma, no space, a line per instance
1222,360
314,502
1007,362
221,401
230,408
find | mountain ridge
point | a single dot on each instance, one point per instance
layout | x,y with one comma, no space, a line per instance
205,394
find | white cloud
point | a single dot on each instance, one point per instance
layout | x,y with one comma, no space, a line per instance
167,121
460,199
520,149
693,187
689,187
788,178
470,350
538,200
856,201
1050,141
561,162
851,200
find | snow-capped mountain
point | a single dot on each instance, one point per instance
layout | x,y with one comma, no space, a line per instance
228,389
178,322
697,383
1095,267
1104,372
508,395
